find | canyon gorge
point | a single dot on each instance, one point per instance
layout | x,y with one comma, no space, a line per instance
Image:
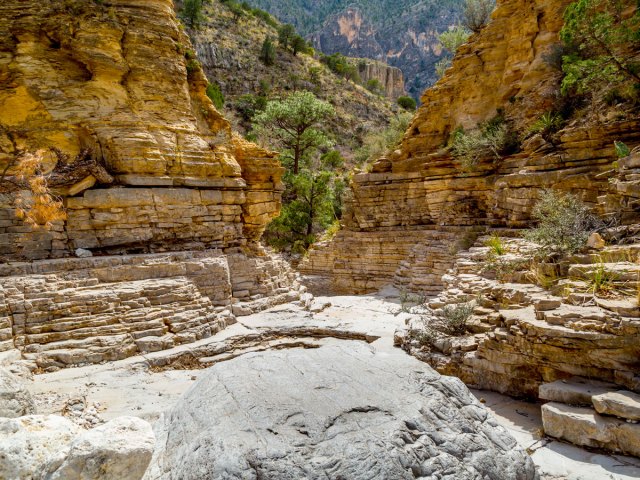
147,333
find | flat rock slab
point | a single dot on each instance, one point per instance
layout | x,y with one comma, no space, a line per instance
620,404
574,391
584,427
340,411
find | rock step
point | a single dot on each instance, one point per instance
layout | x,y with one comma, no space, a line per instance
574,391
584,427
621,404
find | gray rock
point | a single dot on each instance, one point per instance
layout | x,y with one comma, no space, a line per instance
27,443
15,400
83,253
118,450
341,411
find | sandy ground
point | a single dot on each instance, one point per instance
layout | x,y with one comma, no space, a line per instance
128,387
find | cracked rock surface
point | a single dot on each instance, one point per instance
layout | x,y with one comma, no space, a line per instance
340,411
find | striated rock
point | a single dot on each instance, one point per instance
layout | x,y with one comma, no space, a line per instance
118,450
574,391
420,187
285,428
391,78
584,427
89,310
178,178
620,404
15,399
27,443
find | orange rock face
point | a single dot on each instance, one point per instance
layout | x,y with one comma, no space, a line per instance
119,79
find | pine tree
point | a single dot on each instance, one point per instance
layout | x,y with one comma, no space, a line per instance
268,52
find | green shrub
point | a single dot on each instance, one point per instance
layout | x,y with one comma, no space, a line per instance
407,103
453,319
621,149
442,65
493,138
496,245
215,94
452,39
547,124
477,14
377,144
374,86
564,223
193,66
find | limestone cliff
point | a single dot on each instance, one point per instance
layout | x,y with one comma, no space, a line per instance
112,84
414,205
391,78
113,77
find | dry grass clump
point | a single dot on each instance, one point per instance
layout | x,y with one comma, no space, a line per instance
36,205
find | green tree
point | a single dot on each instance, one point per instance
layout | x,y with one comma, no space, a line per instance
602,34
268,52
294,124
407,103
236,9
286,34
298,44
192,12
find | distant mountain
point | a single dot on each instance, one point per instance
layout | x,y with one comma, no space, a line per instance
402,33
229,52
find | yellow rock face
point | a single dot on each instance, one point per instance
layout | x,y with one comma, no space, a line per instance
113,77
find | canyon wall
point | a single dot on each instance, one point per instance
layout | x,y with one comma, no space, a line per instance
143,163
411,213
113,78
391,78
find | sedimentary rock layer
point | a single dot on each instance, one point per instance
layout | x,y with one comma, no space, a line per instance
75,311
503,71
118,78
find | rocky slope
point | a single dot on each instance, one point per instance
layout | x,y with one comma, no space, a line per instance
229,51
402,34
165,173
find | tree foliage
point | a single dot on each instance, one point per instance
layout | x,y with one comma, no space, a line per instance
293,124
601,34
408,103
192,12
268,52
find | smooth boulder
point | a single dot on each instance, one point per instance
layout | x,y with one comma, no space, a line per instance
340,411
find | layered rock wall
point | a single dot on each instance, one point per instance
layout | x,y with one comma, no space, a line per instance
504,70
116,83
76,311
118,78
391,78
